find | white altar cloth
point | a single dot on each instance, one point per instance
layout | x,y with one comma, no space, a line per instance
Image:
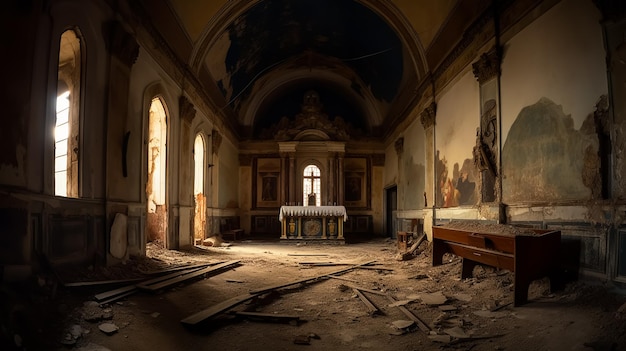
312,211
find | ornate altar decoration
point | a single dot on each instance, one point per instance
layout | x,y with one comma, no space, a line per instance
312,222
310,121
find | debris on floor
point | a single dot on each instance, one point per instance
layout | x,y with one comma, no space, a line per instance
108,328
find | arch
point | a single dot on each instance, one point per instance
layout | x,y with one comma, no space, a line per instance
386,10
274,82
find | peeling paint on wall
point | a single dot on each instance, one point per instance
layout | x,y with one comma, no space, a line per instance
543,156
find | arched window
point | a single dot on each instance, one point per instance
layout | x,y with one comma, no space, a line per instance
157,172
311,185
66,131
198,188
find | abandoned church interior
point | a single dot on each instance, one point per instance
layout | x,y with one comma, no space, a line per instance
468,150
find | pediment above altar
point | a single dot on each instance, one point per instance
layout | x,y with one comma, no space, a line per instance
311,135
311,124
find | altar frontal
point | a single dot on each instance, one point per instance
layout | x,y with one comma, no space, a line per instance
312,222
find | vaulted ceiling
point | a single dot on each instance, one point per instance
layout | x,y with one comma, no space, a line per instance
257,58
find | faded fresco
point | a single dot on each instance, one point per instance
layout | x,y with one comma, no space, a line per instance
457,187
545,159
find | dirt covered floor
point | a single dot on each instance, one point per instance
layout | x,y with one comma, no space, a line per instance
469,314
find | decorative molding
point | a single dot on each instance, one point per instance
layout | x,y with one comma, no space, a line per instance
467,42
121,44
310,124
399,145
429,115
487,67
217,141
187,110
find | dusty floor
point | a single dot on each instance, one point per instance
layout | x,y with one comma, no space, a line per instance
476,311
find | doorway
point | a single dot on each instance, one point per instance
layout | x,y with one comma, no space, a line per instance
391,207
156,225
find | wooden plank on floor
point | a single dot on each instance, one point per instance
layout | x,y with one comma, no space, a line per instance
341,278
423,327
208,270
376,268
367,290
102,282
169,276
371,308
304,280
109,294
180,268
217,309
118,297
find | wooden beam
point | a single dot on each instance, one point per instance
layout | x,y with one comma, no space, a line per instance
299,281
117,297
180,268
376,268
423,327
169,276
111,293
194,274
217,309
367,290
341,278
102,282
371,308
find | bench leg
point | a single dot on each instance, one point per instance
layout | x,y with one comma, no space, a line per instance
520,286
467,268
438,250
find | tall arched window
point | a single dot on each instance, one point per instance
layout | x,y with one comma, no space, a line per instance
66,131
157,172
198,188
311,185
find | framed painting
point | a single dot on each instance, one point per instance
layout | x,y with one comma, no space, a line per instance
354,189
267,189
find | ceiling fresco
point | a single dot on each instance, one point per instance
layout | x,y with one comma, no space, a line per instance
255,58
273,32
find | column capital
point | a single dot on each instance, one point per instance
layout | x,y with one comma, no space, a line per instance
399,145
217,140
429,115
186,109
122,44
488,66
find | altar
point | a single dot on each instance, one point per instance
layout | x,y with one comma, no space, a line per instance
312,222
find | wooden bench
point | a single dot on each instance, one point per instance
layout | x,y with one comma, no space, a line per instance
229,228
529,257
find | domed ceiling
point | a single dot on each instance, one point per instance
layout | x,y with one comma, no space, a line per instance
255,59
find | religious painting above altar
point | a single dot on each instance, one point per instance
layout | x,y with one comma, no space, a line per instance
356,182
267,189
267,183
